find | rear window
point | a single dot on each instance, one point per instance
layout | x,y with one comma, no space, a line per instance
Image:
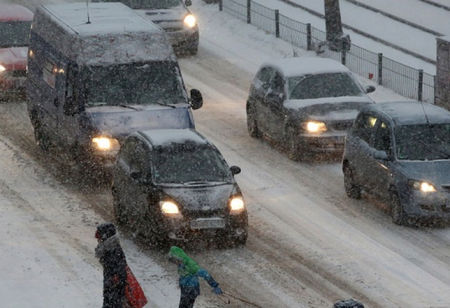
14,33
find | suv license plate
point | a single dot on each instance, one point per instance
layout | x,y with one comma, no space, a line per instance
208,223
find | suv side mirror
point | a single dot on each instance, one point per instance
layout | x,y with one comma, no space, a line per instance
380,155
188,2
370,89
275,97
196,99
235,170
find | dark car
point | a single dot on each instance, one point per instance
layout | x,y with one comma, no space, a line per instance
304,104
15,23
173,17
174,184
400,152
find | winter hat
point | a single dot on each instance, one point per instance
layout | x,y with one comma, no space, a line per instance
105,231
190,266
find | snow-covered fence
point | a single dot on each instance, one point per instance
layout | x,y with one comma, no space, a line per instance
403,79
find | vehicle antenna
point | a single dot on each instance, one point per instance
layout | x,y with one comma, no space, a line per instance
87,12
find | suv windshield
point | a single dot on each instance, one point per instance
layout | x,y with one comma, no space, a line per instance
185,163
135,84
150,4
14,33
423,142
323,85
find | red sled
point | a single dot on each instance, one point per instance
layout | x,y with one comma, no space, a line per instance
133,291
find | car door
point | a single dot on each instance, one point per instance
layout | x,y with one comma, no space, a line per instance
273,103
379,166
258,92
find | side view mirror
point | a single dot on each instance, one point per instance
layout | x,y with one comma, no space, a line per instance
235,170
70,107
370,89
380,155
188,2
196,99
136,175
277,97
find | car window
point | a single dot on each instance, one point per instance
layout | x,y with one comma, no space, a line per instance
14,33
277,83
264,75
364,126
383,139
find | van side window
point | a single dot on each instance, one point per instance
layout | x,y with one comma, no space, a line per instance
383,137
49,72
264,76
364,126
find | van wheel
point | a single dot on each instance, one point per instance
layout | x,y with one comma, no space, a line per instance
398,214
351,189
41,138
252,125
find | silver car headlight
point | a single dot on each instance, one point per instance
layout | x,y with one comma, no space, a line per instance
236,205
105,144
422,186
190,21
169,208
315,127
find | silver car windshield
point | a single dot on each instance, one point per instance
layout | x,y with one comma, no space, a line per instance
190,163
423,142
323,85
14,33
156,82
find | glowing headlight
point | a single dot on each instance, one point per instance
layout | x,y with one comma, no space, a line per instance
422,186
169,208
190,21
2,68
236,205
315,127
105,144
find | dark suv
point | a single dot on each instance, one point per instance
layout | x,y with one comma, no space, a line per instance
174,184
400,152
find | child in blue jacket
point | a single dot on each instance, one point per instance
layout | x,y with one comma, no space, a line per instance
189,271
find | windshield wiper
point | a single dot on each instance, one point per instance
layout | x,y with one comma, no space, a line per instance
167,105
129,107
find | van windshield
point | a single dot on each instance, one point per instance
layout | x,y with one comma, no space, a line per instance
14,33
156,82
189,163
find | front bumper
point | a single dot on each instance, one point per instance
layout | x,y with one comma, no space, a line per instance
182,40
324,143
428,205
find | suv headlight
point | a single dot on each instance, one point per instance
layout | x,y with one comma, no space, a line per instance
190,21
2,68
422,186
315,127
105,144
236,205
169,208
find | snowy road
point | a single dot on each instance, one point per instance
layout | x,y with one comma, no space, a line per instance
309,245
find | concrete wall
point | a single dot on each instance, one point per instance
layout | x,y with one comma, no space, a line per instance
442,91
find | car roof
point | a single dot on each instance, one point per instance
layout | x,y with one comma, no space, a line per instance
167,137
300,66
14,12
411,112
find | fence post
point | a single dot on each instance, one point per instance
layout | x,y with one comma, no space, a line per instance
277,23
343,56
420,86
308,37
380,68
220,5
249,20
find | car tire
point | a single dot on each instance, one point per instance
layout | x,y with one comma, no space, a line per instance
398,214
41,137
351,188
293,151
252,124
117,207
193,51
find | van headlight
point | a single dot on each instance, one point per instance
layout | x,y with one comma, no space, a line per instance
169,208
105,144
422,186
2,68
315,127
236,205
190,21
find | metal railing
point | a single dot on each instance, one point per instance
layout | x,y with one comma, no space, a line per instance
401,78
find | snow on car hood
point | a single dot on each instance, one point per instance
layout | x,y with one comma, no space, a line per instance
173,14
331,108
436,171
14,58
200,198
121,121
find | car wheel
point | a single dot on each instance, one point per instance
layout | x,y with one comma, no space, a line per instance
118,209
193,51
398,214
252,125
41,138
351,189
293,151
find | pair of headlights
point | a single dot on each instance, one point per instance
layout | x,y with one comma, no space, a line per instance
170,208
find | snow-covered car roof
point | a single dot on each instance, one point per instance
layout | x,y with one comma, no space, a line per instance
164,137
412,112
300,66
115,33
14,12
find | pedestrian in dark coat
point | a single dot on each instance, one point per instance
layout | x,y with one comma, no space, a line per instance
189,271
111,256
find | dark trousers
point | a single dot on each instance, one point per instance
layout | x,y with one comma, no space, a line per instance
188,296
